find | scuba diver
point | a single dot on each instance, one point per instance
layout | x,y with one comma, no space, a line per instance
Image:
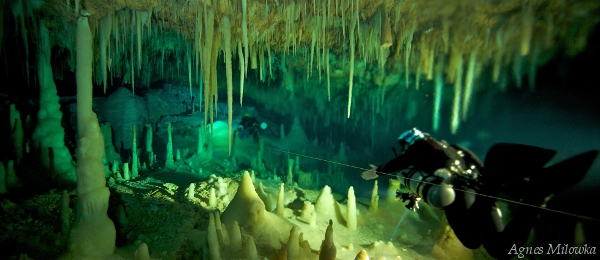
452,178
249,126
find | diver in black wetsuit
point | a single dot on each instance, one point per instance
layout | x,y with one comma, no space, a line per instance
249,126
452,178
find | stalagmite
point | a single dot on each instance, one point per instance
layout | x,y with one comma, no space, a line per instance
3,188
226,30
191,191
374,198
220,234
149,151
236,237
212,199
308,214
12,181
293,245
328,250
213,241
280,205
17,134
49,133
249,251
351,210
134,156
65,210
169,161
126,174
362,255
289,180
93,234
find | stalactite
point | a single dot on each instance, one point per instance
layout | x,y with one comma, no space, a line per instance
261,65
386,40
324,23
550,30
188,57
527,21
245,36
328,76
430,64
132,67
76,7
149,23
138,22
386,31
409,37
270,61
517,69
207,62
213,79
105,31
312,52
533,65
418,76
242,70
226,30
351,77
343,21
357,17
446,34
458,65
469,81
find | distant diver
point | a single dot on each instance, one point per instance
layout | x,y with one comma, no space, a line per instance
452,178
249,126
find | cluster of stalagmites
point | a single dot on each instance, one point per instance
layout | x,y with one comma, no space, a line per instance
246,229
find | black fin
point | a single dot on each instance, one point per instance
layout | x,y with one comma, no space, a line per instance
507,161
563,175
